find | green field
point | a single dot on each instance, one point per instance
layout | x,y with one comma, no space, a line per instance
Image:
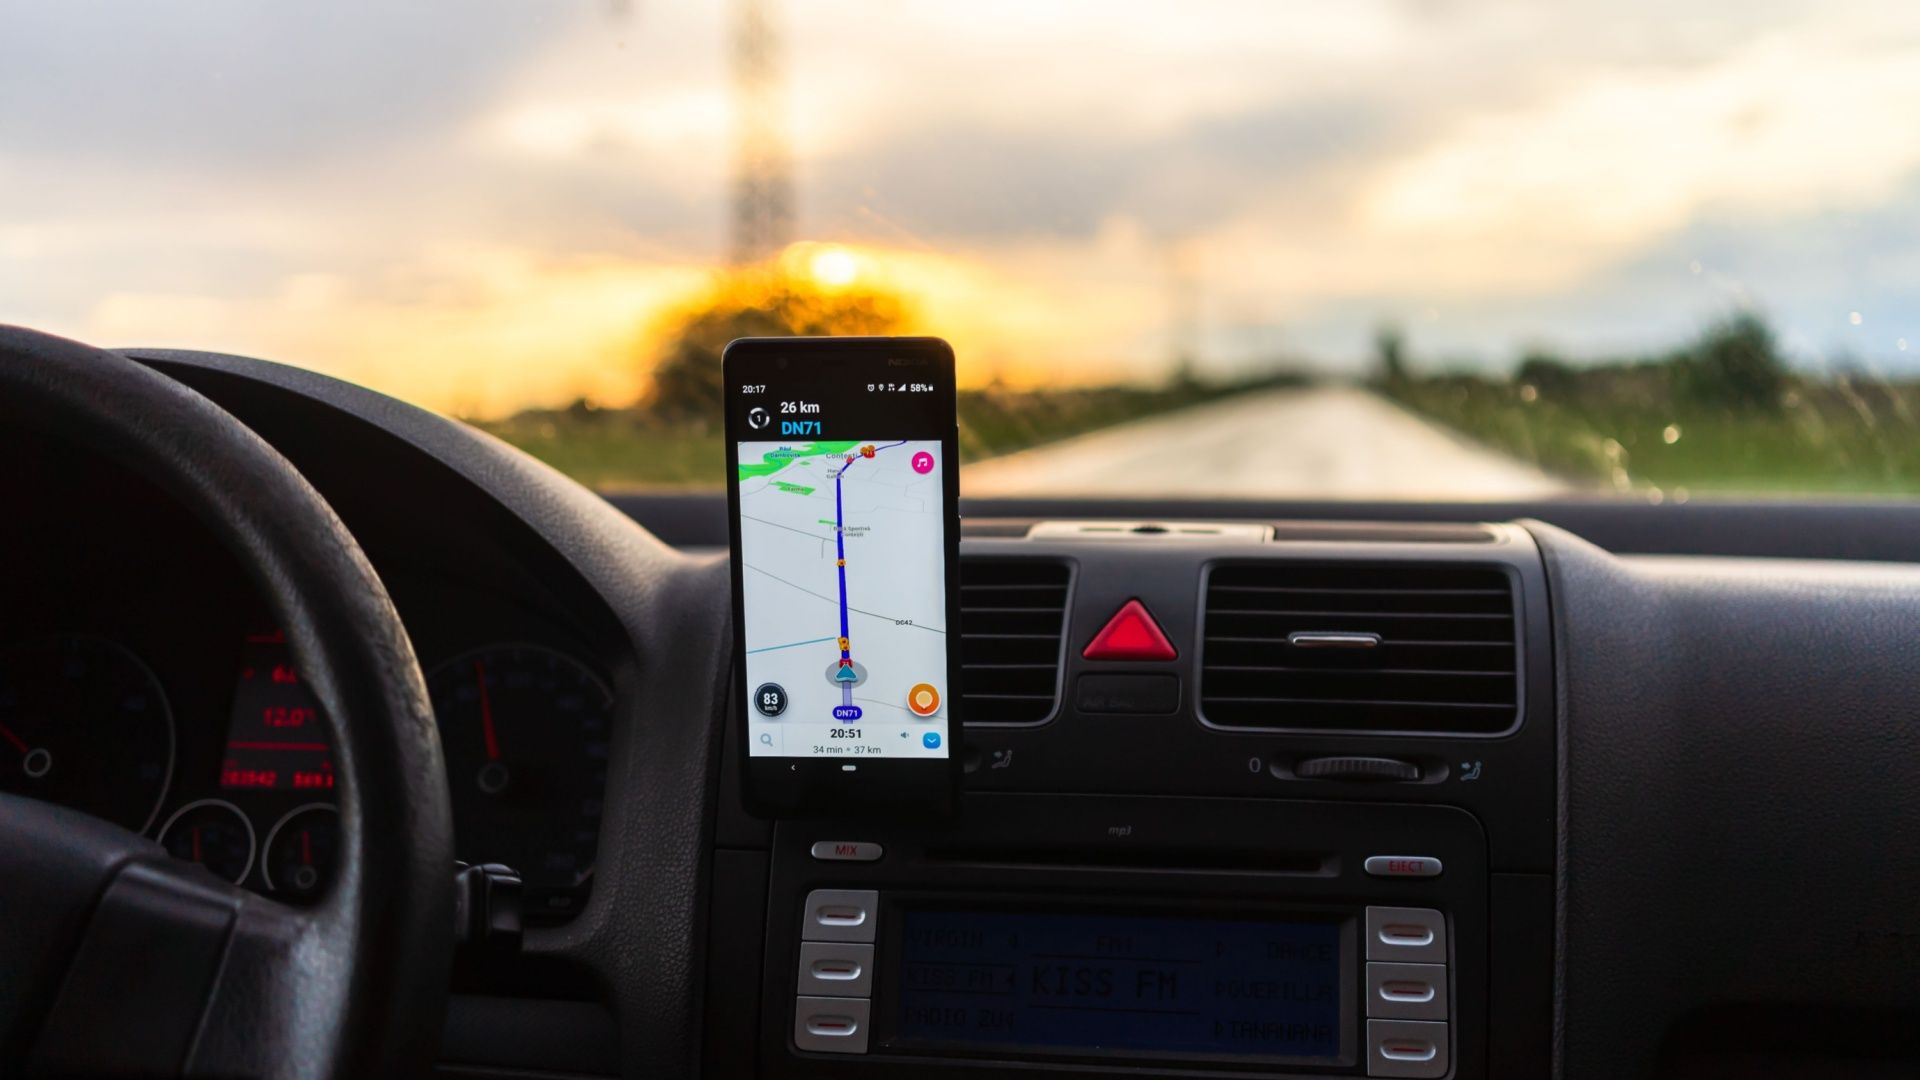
1726,412
629,449
1630,431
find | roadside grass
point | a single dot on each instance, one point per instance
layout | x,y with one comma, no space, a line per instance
632,448
1633,430
610,449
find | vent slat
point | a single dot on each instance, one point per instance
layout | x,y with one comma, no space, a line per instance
1303,614
1503,673
1319,702
1384,642
1010,697
1012,620
1309,589
1446,661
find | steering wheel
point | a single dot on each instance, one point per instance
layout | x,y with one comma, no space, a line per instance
116,959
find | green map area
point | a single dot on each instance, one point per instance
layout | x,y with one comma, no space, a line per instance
774,460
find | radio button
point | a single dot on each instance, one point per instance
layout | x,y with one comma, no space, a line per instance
1402,866
847,851
836,969
1407,991
1410,935
832,1025
840,915
1406,1048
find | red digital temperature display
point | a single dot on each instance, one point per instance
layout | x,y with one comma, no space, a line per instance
275,739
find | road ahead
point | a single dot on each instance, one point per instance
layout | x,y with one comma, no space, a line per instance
1336,442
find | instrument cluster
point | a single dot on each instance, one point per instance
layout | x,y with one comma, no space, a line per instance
144,680
87,722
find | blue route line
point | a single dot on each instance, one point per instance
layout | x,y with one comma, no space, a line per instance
840,561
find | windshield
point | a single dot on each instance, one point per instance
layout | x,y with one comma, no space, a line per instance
1376,249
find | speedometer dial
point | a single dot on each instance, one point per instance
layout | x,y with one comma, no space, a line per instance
83,723
213,833
297,861
525,734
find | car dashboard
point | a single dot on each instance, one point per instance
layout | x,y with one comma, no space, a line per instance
1498,802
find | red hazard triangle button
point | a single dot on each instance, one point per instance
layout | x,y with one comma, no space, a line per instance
1130,635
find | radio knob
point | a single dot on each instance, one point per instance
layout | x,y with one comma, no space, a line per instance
1356,768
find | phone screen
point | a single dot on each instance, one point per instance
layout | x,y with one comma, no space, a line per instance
842,474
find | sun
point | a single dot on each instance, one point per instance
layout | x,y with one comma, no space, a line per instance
833,267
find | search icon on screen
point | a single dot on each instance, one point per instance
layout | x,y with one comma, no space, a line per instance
766,738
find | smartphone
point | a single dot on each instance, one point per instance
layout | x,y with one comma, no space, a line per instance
843,499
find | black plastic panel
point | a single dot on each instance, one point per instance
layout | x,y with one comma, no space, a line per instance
1741,819
738,914
1808,529
1520,979
578,1038
1101,750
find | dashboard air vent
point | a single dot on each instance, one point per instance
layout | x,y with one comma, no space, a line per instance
1012,618
1360,648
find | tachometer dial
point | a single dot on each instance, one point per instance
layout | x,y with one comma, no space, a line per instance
299,851
213,833
83,723
525,734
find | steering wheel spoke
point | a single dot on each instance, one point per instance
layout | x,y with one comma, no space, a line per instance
259,1008
175,962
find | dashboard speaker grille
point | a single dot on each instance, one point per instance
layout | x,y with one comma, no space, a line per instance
1012,620
1369,647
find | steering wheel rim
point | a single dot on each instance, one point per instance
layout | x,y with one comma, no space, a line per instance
352,986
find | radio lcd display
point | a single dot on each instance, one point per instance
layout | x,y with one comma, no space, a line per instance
1097,984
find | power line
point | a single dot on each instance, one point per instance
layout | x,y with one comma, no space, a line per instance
762,165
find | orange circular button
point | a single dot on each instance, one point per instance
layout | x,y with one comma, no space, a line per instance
923,699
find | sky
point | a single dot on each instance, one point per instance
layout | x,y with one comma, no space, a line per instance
487,205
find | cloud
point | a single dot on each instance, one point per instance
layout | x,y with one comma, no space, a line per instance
478,206
226,87
1790,123
1808,273
950,184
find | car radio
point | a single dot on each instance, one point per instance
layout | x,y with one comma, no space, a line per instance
1109,936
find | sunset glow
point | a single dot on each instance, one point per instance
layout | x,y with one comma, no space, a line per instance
508,221
833,267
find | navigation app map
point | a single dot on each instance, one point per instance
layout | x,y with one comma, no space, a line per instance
844,587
